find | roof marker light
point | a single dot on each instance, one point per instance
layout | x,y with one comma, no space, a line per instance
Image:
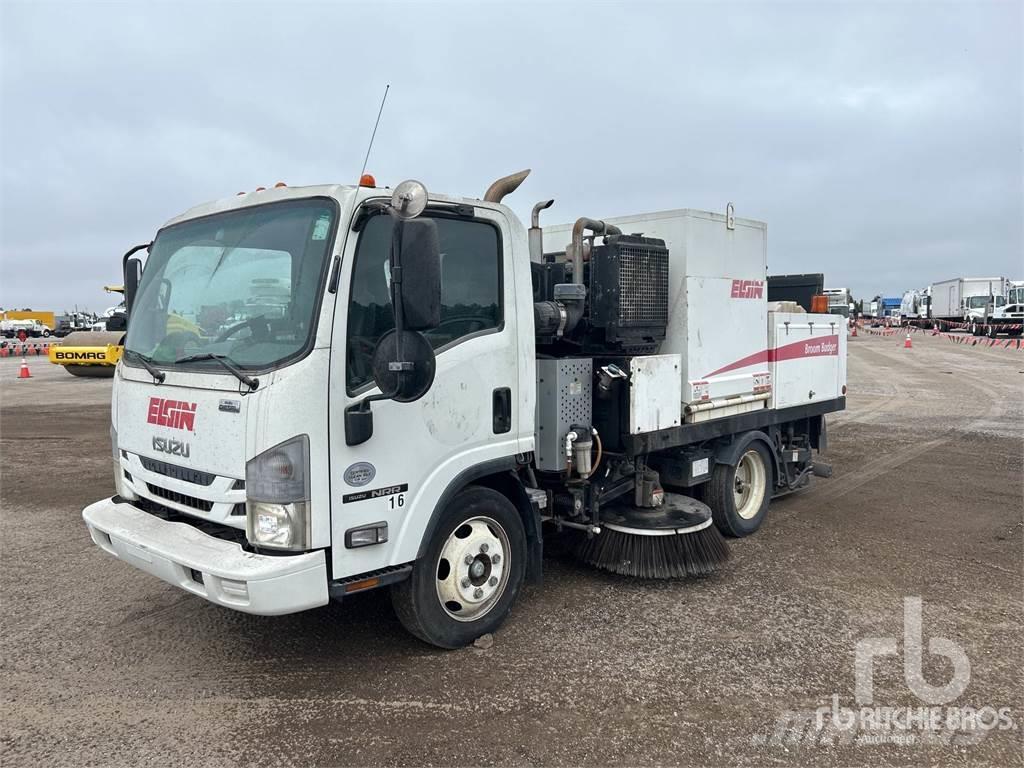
279,185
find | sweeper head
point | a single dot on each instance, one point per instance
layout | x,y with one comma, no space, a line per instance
671,541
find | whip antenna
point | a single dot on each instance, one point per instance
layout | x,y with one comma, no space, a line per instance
374,134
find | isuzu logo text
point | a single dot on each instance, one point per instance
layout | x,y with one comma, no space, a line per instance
747,289
176,414
171,446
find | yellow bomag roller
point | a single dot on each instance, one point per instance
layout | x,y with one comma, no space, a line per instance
90,353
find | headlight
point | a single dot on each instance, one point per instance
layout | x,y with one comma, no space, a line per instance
277,496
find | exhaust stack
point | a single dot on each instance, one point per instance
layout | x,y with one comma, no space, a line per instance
504,186
536,235
576,248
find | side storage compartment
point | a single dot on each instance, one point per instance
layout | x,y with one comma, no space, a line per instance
807,358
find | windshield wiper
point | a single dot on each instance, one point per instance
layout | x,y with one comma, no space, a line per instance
250,381
147,363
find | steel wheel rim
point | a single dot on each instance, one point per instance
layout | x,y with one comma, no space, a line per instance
749,485
471,572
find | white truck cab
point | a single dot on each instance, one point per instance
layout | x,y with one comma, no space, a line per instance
278,444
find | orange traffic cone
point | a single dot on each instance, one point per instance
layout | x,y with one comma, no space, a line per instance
23,373
907,344
854,332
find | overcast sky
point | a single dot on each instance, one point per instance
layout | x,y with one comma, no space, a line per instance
881,142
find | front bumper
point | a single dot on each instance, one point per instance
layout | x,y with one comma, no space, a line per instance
182,555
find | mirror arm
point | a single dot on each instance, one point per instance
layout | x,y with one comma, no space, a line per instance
398,366
132,252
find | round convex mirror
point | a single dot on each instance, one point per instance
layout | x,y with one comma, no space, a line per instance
415,349
409,199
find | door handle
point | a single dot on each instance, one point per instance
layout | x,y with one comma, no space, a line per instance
501,409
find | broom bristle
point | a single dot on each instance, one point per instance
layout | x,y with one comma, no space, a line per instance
672,556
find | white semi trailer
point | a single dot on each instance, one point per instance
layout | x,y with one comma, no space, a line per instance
968,299
433,392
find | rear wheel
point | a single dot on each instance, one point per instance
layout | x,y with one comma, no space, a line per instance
471,573
738,495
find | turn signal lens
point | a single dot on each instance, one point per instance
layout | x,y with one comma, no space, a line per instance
359,586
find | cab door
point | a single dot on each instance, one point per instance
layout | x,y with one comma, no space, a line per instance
465,419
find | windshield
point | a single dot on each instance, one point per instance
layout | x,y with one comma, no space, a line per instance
978,302
243,284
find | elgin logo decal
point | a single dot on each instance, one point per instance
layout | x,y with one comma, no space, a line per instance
172,413
747,289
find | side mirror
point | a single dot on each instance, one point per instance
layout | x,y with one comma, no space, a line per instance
132,275
409,379
418,288
402,374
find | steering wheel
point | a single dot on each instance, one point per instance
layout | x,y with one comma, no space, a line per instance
259,326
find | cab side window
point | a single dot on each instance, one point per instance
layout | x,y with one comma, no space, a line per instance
470,289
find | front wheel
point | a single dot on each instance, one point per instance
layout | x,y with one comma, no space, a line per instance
465,584
738,495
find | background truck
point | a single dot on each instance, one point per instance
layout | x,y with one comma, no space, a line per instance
839,301
968,299
915,305
39,319
30,328
331,389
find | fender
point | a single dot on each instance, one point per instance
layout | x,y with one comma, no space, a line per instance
729,453
499,475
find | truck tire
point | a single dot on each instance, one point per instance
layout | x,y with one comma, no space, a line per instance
465,584
738,495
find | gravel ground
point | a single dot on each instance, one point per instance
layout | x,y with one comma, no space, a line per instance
103,664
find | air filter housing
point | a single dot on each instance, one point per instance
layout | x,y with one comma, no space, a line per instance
627,295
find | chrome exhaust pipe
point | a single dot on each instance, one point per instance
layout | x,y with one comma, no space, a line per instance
576,247
504,186
535,233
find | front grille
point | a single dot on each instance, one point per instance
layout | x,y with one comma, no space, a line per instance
643,286
180,498
218,530
194,476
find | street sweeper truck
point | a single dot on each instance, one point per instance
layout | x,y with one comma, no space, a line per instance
331,389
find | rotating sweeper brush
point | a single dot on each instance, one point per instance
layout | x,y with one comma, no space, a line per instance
672,541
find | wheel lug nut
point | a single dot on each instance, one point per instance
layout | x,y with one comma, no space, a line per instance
496,559
483,548
478,592
493,581
465,583
469,560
